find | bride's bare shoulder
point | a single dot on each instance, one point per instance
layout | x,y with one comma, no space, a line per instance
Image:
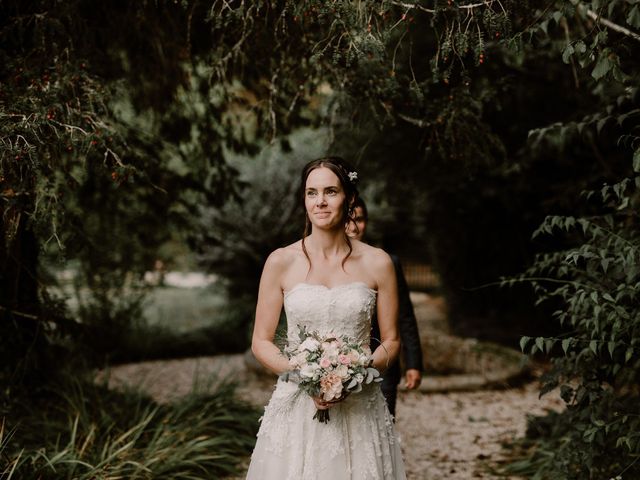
378,262
369,252
282,258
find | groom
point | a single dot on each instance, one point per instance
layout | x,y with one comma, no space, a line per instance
411,350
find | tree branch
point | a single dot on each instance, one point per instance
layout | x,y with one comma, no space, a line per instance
607,23
414,121
486,3
20,314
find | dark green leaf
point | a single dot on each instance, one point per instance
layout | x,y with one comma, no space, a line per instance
633,18
603,65
567,52
601,123
549,343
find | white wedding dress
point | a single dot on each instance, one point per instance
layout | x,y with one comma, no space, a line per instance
359,441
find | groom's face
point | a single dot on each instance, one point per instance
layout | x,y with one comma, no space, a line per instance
357,227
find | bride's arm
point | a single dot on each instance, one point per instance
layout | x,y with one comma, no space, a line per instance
270,299
388,350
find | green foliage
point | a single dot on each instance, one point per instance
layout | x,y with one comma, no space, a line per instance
108,144
593,283
79,430
596,282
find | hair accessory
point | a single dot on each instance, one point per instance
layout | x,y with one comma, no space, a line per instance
353,176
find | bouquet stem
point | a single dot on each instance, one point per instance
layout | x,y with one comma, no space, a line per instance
322,416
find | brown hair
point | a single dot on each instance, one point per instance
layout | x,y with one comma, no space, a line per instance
342,170
359,202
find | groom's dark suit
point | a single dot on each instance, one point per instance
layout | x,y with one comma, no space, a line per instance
409,336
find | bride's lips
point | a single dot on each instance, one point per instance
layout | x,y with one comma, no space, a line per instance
322,214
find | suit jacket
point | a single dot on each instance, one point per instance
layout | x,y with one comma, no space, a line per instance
411,350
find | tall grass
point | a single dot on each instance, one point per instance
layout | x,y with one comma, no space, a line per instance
79,430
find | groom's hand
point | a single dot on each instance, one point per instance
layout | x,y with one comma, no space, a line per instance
412,378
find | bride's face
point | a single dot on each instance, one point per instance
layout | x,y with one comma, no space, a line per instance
324,199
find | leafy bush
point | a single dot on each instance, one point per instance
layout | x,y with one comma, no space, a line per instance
79,430
596,363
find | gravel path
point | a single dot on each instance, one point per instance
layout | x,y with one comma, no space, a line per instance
444,435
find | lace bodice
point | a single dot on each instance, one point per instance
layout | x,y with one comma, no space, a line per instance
344,309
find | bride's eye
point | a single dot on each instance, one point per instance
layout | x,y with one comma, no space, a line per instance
311,193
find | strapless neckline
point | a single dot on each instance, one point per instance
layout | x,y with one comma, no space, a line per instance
324,287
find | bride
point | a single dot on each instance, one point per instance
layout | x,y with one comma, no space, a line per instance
326,283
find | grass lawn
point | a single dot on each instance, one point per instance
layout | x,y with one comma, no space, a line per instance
184,309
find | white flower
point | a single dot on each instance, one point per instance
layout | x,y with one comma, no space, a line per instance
308,370
330,350
298,360
342,371
353,176
365,359
310,345
354,355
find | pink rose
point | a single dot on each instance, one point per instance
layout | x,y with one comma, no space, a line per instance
325,362
331,386
344,359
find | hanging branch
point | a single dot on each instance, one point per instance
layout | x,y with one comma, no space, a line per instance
486,3
607,23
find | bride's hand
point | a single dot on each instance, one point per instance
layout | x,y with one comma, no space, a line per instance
322,404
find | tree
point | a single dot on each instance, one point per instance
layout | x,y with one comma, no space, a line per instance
98,137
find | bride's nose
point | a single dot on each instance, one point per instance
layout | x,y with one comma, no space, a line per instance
321,200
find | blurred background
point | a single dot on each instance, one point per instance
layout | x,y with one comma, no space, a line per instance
150,159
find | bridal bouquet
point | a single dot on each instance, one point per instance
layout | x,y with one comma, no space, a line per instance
330,367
